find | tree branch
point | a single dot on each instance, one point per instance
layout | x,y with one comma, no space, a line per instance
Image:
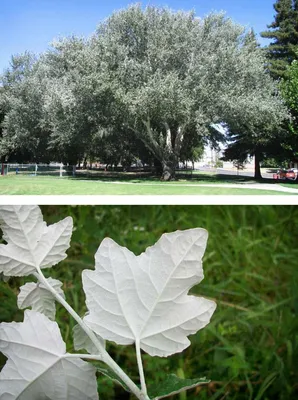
168,137
179,139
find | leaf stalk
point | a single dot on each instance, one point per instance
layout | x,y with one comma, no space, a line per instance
103,354
140,367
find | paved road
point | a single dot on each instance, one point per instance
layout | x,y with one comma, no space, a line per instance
264,186
246,172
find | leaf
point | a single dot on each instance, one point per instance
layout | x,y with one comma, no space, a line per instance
38,366
37,296
173,385
82,341
3,277
107,371
144,298
30,242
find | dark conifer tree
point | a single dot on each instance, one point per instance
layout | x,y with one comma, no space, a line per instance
284,32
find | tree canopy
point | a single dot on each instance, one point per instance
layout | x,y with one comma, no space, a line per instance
151,74
289,89
258,139
176,74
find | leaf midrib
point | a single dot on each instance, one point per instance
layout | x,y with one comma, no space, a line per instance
26,237
120,303
160,294
53,244
31,249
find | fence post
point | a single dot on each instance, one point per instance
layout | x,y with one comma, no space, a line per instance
35,169
73,170
61,170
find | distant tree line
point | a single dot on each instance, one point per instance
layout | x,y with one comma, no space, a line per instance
150,84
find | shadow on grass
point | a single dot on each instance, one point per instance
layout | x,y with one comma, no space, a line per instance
147,177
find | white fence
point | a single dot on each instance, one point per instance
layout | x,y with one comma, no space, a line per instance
38,169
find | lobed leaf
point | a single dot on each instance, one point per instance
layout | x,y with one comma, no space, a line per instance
38,366
144,298
37,296
30,242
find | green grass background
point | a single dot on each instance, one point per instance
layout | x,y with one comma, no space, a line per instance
47,185
250,348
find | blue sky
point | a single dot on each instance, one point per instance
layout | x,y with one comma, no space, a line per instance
33,24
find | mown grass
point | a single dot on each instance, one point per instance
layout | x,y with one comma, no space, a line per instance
45,185
250,348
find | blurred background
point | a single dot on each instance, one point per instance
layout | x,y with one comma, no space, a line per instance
250,347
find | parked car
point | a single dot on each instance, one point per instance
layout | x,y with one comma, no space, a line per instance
286,174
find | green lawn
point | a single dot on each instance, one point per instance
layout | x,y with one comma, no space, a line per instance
126,185
250,348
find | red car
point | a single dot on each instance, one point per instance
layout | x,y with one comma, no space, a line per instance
283,174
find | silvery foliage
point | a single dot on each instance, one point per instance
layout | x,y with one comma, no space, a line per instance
48,105
37,296
38,366
76,98
22,99
174,70
67,93
160,74
130,299
30,243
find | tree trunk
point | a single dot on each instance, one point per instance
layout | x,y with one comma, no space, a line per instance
157,166
166,153
85,163
168,170
257,165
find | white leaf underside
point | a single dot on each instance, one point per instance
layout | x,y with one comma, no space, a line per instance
38,368
37,296
82,341
29,241
144,298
